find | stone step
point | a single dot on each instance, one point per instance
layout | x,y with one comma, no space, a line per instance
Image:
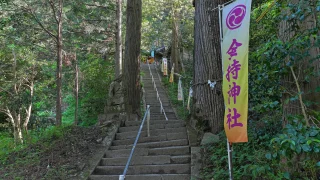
155,100
144,169
179,142
162,118
137,123
154,126
176,150
156,132
155,113
146,160
184,159
143,177
163,137
157,105
126,153
136,160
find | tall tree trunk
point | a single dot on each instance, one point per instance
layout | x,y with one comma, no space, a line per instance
294,82
175,56
76,91
17,132
59,67
208,105
15,116
311,23
118,55
132,57
28,111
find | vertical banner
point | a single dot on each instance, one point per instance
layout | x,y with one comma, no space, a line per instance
180,91
189,98
171,74
152,53
235,25
165,66
162,65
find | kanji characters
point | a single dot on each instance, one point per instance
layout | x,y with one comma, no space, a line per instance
232,51
232,121
233,69
234,92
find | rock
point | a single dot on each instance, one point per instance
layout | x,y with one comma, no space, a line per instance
102,117
209,138
195,163
81,166
99,140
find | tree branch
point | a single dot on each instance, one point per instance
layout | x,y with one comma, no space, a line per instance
42,26
54,11
6,91
300,97
99,6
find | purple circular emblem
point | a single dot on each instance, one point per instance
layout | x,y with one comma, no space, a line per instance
236,16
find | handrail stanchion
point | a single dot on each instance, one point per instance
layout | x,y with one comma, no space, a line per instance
148,121
123,176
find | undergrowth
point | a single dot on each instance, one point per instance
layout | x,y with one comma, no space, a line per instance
271,153
45,135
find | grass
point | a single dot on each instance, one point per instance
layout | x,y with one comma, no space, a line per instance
46,135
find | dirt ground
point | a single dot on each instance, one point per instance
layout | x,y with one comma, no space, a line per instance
63,157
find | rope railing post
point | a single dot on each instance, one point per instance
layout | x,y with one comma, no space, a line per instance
148,120
123,176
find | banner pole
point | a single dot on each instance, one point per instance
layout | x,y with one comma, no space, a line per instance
229,146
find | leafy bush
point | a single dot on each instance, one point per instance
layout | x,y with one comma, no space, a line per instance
249,161
297,149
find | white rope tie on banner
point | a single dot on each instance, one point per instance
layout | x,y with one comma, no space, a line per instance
156,89
218,7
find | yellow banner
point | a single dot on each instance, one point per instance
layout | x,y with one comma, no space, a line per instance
171,74
180,91
165,66
235,24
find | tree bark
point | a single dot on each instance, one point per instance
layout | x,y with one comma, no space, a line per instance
132,57
118,55
59,67
208,108
28,111
175,56
294,82
76,91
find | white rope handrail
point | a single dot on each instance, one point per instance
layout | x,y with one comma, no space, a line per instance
156,89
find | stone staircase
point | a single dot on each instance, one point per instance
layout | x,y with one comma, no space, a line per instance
165,155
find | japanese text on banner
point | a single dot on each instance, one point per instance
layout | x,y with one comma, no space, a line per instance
236,21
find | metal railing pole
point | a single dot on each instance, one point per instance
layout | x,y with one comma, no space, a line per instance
123,176
148,121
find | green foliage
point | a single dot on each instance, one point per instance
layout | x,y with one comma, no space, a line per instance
157,23
97,75
249,161
45,135
172,89
273,152
298,149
